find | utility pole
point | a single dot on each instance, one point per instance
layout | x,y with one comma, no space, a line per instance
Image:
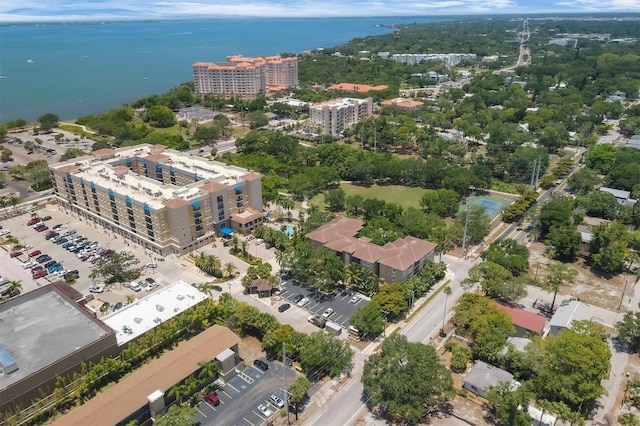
412,293
538,172
533,172
622,295
375,139
464,235
384,323
286,393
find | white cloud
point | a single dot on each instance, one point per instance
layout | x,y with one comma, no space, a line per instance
43,10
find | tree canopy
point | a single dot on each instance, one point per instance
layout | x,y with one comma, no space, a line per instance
406,380
118,267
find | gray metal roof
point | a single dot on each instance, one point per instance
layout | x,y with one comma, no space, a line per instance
7,361
483,375
569,311
618,193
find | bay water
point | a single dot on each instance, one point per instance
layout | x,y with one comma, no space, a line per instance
76,69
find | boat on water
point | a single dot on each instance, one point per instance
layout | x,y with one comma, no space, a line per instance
29,61
2,77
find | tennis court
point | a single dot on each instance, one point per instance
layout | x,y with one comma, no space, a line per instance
493,205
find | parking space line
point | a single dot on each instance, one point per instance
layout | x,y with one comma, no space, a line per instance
336,319
227,394
205,416
231,386
210,406
259,415
248,421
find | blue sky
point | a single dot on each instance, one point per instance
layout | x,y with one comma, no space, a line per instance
56,10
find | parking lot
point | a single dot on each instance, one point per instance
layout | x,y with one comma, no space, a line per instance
165,273
318,302
241,396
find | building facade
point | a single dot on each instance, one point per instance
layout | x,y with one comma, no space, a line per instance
161,199
395,261
335,115
245,77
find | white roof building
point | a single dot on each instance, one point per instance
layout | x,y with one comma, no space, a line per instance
144,314
568,312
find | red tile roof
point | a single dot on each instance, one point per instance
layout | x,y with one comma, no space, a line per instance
176,203
524,319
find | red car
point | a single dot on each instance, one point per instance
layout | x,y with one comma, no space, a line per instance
212,398
33,221
35,253
42,229
40,274
16,254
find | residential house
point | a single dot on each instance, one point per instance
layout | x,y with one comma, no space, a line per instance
482,376
525,322
568,312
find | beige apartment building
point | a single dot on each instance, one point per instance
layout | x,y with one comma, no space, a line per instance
335,115
161,199
245,77
394,262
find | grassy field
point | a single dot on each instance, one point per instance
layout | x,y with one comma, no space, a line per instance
401,195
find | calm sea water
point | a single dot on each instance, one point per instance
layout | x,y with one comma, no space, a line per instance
75,70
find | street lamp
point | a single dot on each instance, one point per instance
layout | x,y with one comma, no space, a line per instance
384,323
412,293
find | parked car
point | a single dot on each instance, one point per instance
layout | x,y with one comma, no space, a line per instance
327,313
96,288
150,284
261,364
276,401
29,264
297,298
317,321
355,299
16,254
40,274
46,218
33,221
152,265
212,399
43,258
4,232
75,274
60,227
117,306
35,253
61,240
283,307
264,410
302,302
135,286
50,263
55,268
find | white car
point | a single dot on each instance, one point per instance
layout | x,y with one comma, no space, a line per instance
327,313
355,299
276,401
259,241
303,301
96,288
29,264
135,286
5,232
265,411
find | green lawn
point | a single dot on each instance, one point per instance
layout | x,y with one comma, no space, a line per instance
401,195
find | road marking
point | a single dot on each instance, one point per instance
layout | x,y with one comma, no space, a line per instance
337,319
227,394
205,416
231,386
248,421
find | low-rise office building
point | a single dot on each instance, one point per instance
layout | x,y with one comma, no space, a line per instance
45,335
335,115
395,261
166,201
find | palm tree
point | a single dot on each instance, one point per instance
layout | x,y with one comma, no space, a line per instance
280,258
208,369
230,269
15,286
447,291
4,203
206,288
130,299
178,392
558,275
212,264
13,202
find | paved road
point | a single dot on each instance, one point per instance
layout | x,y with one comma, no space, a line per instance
347,404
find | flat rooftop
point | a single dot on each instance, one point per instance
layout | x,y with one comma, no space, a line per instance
41,327
148,312
107,173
